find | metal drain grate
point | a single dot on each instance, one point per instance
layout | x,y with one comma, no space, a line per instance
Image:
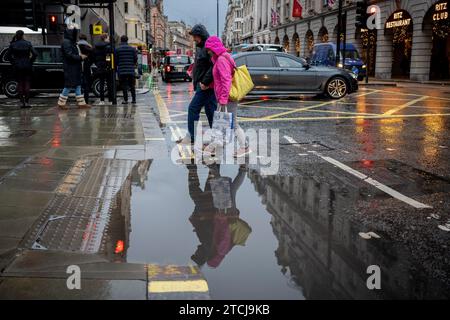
78,220
23,134
118,116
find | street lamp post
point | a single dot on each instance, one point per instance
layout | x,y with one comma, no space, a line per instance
217,17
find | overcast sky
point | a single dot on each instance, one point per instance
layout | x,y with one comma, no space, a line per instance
197,11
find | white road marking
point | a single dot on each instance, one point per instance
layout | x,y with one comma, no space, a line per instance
395,194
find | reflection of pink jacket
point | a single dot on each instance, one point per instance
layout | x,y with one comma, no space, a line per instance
223,69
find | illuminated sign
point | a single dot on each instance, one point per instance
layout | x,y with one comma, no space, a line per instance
399,19
440,11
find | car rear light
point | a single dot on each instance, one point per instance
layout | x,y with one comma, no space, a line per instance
168,68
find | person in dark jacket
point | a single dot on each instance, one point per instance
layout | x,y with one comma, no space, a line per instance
86,49
22,55
101,50
126,60
72,64
202,76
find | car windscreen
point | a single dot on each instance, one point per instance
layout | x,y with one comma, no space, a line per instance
352,54
179,60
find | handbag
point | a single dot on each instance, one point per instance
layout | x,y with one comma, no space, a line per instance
222,128
241,84
221,193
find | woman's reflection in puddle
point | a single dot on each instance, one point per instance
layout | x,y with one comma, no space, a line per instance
215,218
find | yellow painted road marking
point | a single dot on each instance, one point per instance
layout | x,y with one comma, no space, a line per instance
178,286
403,106
252,102
314,106
164,114
349,117
346,112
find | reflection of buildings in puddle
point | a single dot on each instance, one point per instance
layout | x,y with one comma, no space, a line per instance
116,239
319,243
216,218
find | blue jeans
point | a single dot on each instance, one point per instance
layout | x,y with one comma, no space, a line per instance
202,98
66,91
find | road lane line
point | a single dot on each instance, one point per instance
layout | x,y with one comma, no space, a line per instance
275,116
393,193
164,114
167,286
395,110
379,117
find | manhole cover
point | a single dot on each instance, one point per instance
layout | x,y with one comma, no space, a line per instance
22,134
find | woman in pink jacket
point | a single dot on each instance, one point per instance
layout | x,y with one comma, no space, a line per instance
223,71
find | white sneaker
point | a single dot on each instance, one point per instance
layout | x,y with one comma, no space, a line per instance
185,141
101,103
242,152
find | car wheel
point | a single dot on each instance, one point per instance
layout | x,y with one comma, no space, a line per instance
336,88
10,88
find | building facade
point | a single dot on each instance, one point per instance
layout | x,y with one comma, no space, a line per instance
410,42
180,40
234,23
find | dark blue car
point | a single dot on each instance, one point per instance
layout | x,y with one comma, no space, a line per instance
324,54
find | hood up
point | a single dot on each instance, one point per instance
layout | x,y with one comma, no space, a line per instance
215,45
71,34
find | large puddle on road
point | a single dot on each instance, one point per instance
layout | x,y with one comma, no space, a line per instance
260,237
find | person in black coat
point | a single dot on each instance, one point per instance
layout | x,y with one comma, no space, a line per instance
22,56
126,60
202,76
101,50
88,51
72,64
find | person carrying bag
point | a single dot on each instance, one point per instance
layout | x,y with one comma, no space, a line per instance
225,77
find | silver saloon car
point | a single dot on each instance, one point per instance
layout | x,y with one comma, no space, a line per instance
277,73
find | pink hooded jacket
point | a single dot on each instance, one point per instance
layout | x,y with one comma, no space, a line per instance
223,69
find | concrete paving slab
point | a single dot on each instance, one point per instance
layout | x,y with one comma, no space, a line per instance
56,289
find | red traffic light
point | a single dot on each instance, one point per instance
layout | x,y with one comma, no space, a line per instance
53,19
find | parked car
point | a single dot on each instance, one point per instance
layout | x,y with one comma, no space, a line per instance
175,68
324,54
48,73
257,47
278,73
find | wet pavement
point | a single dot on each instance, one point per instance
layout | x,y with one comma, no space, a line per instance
100,189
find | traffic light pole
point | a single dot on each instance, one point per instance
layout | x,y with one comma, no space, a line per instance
113,93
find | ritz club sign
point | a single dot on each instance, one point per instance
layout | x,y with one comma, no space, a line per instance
440,11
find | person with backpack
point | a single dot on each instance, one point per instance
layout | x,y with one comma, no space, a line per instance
223,71
126,59
22,56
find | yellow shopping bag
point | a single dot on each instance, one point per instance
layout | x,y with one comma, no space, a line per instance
242,84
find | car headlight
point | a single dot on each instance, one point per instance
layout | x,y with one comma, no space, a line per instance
340,65
364,66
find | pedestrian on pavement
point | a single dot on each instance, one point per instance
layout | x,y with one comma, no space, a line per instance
101,51
86,49
202,76
72,64
22,56
223,72
126,59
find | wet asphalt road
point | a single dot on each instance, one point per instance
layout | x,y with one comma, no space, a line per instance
124,193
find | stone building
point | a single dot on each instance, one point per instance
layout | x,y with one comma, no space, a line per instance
180,40
411,41
233,23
